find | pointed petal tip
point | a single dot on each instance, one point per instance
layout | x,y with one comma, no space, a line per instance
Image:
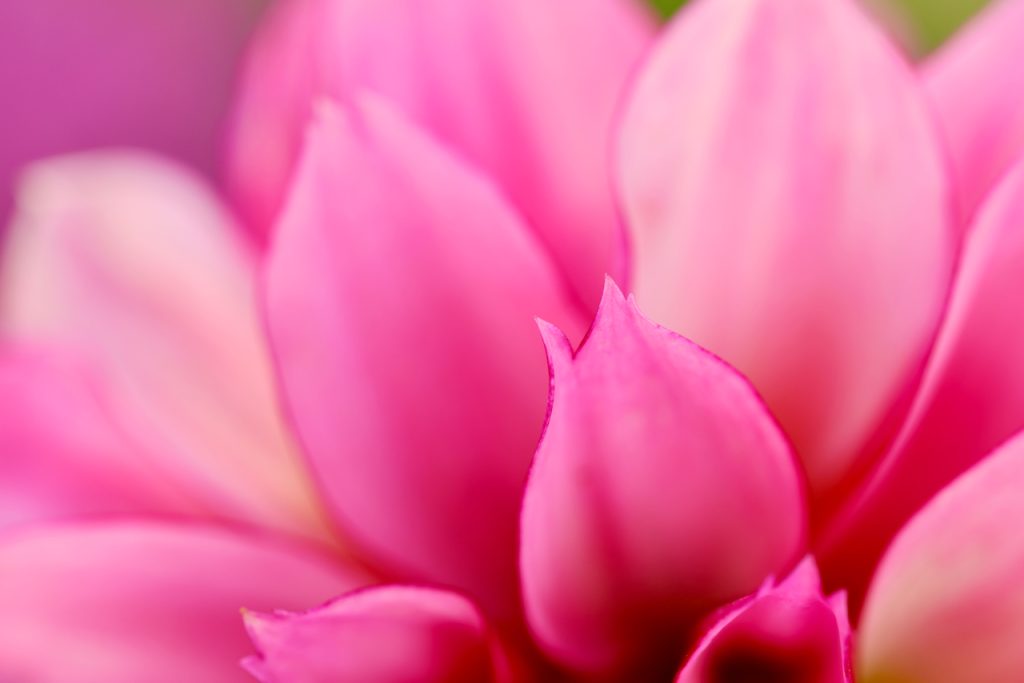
613,309
256,623
255,666
790,626
611,295
805,577
645,412
556,344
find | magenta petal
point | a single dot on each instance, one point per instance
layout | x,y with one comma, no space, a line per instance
790,212
132,265
787,633
947,602
977,86
131,602
401,294
971,399
523,89
392,634
661,489
62,454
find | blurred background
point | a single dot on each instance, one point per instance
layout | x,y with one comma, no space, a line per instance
926,22
79,74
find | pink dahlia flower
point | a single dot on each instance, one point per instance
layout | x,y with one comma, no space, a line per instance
789,455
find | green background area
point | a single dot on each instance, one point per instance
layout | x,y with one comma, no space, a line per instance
931,21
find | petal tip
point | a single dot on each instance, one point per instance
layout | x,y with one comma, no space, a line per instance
556,344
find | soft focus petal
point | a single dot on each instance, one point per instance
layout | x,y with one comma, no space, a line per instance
788,633
977,86
77,74
401,290
61,454
971,399
131,264
525,89
947,603
393,634
131,602
661,489
789,212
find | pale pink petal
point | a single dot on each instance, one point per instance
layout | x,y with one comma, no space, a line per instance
661,489
392,634
131,264
977,86
79,74
789,209
971,399
133,601
61,455
788,632
947,603
524,89
401,290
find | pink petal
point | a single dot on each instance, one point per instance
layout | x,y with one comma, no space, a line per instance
401,290
62,454
131,265
524,89
661,489
392,634
78,74
788,632
977,86
971,399
947,603
789,211
135,601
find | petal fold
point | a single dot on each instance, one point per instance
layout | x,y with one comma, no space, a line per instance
523,89
138,601
789,208
391,634
978,90
131,265
785,632
947,602
661,489
401,290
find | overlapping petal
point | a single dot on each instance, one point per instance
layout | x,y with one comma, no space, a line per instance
789,632
131,265
418,388
947,603
61,454
789,211
661,489
525,89
971,398
392,634
129,602
978,90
